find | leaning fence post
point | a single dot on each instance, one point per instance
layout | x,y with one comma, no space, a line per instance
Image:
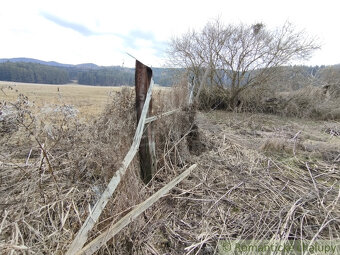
147,153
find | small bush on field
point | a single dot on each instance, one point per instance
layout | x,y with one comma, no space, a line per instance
258,99
213,98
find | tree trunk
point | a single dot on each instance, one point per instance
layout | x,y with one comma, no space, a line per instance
234,98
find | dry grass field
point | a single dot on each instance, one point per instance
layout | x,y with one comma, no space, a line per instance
89,100
259,176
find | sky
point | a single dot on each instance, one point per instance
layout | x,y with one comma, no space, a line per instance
102,31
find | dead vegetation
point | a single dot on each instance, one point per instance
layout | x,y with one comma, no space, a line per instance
322,103
54,166
312,102
259,177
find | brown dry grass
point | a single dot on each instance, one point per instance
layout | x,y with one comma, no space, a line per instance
310,101
54,165
89,100
259,177
261,180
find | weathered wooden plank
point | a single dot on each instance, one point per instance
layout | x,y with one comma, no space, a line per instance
98,242
147,152
153,118
81,237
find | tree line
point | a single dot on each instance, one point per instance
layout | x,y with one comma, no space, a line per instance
114,76
33,73
97,76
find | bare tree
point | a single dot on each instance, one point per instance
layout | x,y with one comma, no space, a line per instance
239,56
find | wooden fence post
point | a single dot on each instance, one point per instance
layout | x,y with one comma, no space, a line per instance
147,154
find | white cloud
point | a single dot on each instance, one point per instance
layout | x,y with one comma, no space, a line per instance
143,27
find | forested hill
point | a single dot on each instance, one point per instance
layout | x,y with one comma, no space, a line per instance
37,71
33,73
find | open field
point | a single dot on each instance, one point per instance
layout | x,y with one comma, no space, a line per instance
88,100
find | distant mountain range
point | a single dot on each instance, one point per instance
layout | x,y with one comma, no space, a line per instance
49,63
37,71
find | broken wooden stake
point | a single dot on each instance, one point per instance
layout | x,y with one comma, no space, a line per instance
153,118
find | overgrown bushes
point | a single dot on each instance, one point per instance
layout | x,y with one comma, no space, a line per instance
308,102
54,166
214,98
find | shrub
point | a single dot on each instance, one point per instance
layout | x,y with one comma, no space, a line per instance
214,97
